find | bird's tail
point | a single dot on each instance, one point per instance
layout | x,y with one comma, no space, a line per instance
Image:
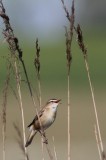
30,138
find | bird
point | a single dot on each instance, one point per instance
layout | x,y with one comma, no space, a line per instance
43,120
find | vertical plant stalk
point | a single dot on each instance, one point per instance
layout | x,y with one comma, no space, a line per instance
13,42
54,148
14,48
69,135
49,152
37,67
21,106
20,139
97,141
84,51
42,148
69,37
5,94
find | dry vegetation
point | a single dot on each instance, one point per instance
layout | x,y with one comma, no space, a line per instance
16,58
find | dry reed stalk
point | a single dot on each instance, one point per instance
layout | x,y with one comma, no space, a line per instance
5,94
20,139
84,51
37,67
49,152
69,37
13,42
54,148
21,106
14,48
97,142
42,145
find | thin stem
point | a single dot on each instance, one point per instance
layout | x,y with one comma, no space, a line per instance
97,141
21,106
5,93
95,109
42,148
4,137
49,152
84,51
69,154
54,149
13,43
39,87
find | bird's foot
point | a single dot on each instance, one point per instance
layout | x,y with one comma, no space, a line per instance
45,141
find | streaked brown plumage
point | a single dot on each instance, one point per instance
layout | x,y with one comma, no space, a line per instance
43,120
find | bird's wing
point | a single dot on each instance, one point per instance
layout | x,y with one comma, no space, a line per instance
36,117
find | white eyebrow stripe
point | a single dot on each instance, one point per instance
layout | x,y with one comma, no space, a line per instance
53,100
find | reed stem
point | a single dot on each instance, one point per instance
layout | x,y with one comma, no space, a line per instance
95,109
69,139
54,149
97,141
21,107
5,94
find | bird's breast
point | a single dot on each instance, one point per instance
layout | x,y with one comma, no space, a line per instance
47,119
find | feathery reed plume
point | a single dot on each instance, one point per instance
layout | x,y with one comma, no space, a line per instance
13,42
66,10
54,149
14,47
69,37
37,67
81,42
5,94
68,49
84,51
71,18
20,139
37,60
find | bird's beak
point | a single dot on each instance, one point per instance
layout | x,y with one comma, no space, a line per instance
58,100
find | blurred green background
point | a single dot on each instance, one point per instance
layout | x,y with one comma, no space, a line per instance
46,20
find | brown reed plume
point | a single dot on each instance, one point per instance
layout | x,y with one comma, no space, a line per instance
69,37
37,67
16,52
14,48
4,105
84,51
13,42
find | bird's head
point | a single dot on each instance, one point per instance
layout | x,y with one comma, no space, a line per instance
53,103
